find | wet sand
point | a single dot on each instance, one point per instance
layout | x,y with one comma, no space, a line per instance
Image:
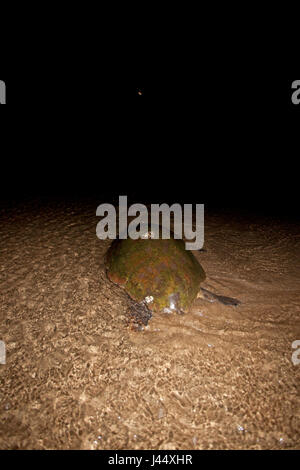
77,378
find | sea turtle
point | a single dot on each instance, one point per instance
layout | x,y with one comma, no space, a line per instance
159,275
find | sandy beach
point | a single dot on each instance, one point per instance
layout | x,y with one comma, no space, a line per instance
76,377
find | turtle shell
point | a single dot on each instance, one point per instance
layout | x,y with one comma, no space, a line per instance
162,272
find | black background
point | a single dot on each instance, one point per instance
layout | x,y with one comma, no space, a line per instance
226,140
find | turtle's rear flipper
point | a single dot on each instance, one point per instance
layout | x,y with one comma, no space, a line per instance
227,300
220,298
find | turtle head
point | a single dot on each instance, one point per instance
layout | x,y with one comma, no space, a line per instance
174,304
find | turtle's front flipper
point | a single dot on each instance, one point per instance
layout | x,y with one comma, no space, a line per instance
220,298
139,314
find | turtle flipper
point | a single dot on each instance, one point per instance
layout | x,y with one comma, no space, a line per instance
220,298
139,314
227,300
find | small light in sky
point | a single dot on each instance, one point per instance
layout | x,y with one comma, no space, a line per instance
140,91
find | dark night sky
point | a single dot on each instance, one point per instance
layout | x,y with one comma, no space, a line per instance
228,142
